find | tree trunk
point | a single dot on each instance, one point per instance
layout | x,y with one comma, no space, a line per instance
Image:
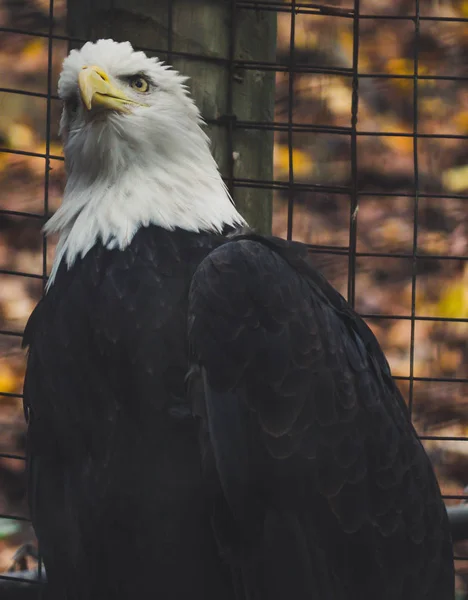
216,33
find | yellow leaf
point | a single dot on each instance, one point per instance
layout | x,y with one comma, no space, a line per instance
461,120
405,66
346,38
400,66
34,48
432,107
398,143
20,137
456,179
3,161
302,162
7,379
454,301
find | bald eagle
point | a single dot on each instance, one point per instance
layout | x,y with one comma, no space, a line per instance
208,418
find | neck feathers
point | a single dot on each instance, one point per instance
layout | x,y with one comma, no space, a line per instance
109,198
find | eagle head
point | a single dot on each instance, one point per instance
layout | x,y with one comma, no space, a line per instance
123,106
135,152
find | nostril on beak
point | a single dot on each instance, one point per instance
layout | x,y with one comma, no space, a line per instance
102,74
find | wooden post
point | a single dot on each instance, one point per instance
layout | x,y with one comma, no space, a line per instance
214,29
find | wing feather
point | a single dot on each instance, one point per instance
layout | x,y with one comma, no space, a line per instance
301,399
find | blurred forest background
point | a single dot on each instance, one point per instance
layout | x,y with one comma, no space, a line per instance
387,179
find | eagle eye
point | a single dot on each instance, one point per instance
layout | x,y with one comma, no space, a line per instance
139,84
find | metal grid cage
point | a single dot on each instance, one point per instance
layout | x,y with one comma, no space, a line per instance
369,172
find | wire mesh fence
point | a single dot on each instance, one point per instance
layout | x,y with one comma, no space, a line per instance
370,171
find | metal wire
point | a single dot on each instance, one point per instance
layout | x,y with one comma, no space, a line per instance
354,204
292,73
414,263
292,65
229,119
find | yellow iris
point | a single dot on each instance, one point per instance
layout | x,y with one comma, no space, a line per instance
139,84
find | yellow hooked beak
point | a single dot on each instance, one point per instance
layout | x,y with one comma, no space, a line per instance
97,91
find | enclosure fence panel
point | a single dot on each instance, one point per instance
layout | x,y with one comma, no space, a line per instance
341,125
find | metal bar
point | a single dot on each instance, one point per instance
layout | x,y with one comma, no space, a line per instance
287,7
414,262
292,60
420,77
415,317
12,456
455,496
363,315
48,133
437,19
4,90
298,8
20,274
14,518
443,438
10,395
34,154
284,126
11,333
17,213
15,581
432,379
245,64
170,30
230,117
46,213
354,204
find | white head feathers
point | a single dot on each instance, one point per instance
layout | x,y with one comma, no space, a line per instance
149,165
